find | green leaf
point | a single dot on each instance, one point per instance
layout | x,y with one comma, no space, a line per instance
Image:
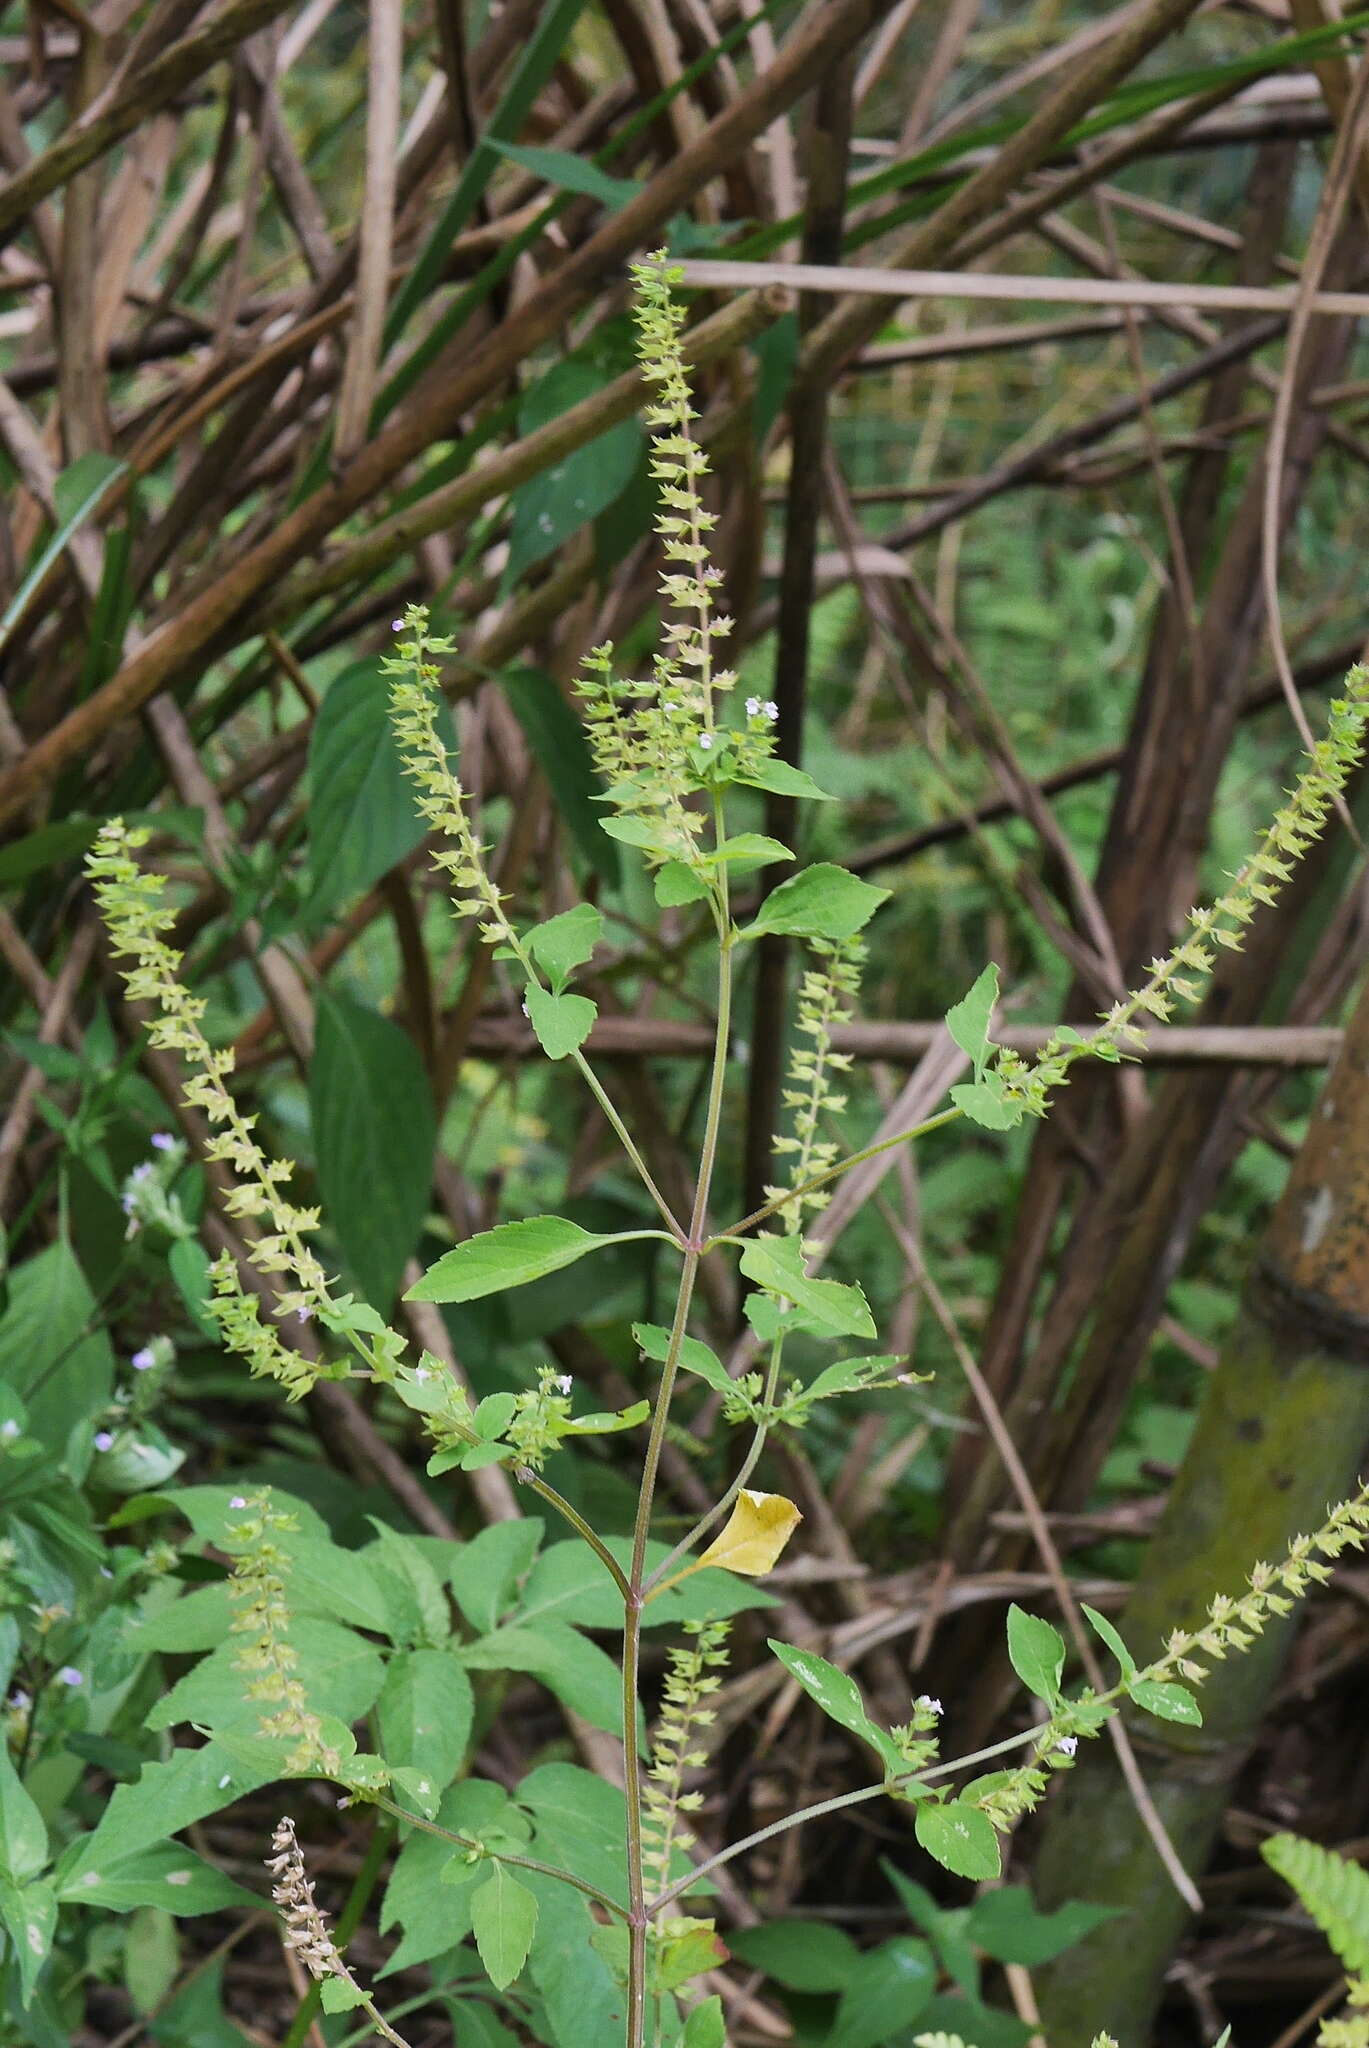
893,1985
583,1676
504,1917
823,902
436,1916
23,1837
676,884
1007,1926
570,1583
803,1955
968,1020
47,1325
1166,1702
342,1672
704,2027
29,1915
188,1263
849,1375
563,943
416,1603
746,850
777,1265
581,1823
572,173
152,1958
165,1874
1334,1890
424,1713
362,815
654,1342
483,1573
785,780
561,1023
838,1695
337,1995
985,1104
375,1129
959,1837
511,1255
169,1796
559,746
1036,1652
1104,1629
556,503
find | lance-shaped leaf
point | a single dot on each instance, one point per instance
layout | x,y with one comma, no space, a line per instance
503,1916
511,1255
837,1693
754,1534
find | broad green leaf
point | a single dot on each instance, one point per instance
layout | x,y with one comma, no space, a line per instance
374,1128
435,1916
483,1573
838,1695
754,1535
504,1918
704,2027
968,1020
53,1354
23,1837
1036,1652
746,850
684,1956
985,1104
582,1996
362,814
166,1874
1167,1702
511,1255
1007,1925
569,1583
580,1822
564,943
823,902
188,1786
581,1674
28,1914
1104,1629
959,1837
892,1986
784,780
555,504
654,1343
561,750
849,1375
414,1596
777,1265
337,1995
152,1958
342,1674
424,1713
188,1264
561,1023
803,1955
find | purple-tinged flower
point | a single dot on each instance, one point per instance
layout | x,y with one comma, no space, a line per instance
396,625
927,1705
9,1430
144,1360
303,1313
563,1383
239,1500
104,1440
69,1675
141,1170
1067,1744
162,1141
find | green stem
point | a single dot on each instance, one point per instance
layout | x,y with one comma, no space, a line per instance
527,1477
654,1585
831,1173
624,1136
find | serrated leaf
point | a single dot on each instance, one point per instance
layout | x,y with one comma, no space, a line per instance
1036,1652
803,1955
563,943
746,850
504,1919
1334,1890
777,1265
483,1573
823,902
510,1255
676,884
1167,1702
959,1837
1104,1629
754,1535
375,1128
1006,1924
424,1712
561,1024
165,1874
985,1104
968,1020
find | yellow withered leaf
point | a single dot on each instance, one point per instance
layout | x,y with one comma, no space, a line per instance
754,1534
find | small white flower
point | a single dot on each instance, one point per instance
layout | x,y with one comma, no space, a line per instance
303,1312
927,1705
162,1141
396,625
103,1440
421,1373
144,1360
563,1383
9,1430
770,709
705,741
69,1675
1067,1744
239,1500
753,707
